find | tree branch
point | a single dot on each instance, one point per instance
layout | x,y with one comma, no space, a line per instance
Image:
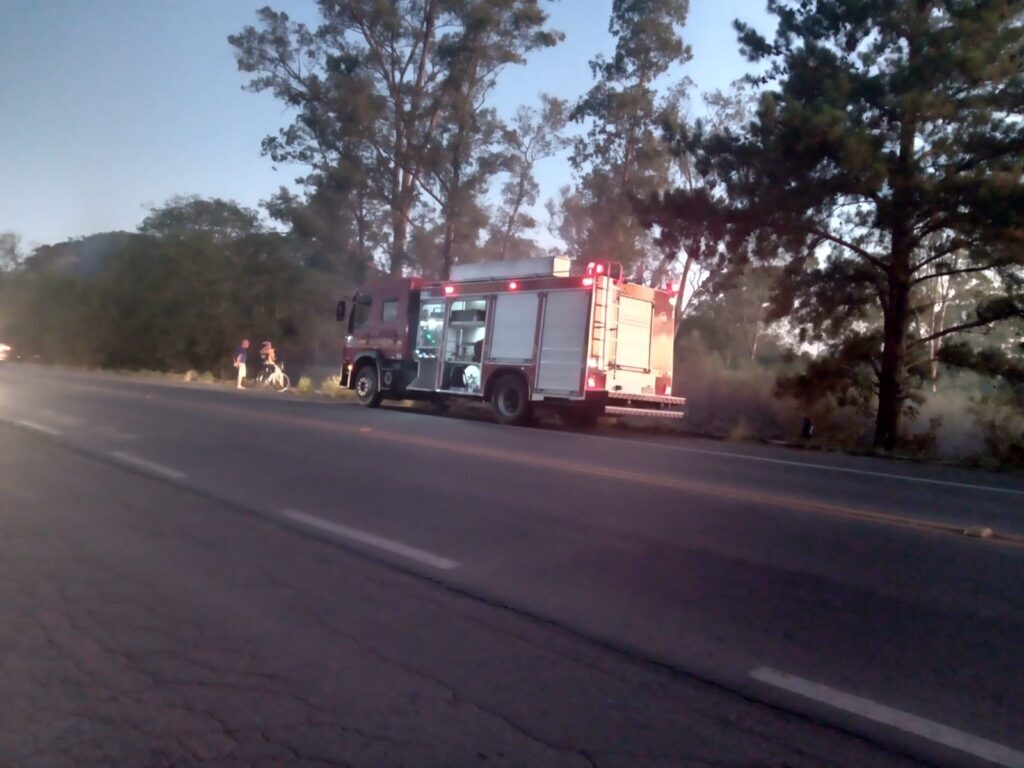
864,254
953,329
964,271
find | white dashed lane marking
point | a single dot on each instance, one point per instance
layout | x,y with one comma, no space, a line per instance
904,721
149,466
370,539
39,427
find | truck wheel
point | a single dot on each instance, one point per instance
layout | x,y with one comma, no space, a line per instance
367,391
510,399
581,417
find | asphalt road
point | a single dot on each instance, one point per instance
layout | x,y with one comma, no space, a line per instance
198,576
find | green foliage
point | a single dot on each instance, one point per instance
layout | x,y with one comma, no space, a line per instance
885,154
622,156
305,385
389,119
180,300
183,216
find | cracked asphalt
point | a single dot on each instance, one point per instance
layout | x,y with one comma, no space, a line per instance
149,620
142,626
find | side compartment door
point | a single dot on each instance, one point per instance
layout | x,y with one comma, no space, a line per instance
563,343
515,328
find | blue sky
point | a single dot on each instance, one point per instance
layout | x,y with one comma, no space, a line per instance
112,106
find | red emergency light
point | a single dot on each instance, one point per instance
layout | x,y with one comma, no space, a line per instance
449,290
588,282
513,286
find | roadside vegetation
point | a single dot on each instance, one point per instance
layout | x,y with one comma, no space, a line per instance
846,223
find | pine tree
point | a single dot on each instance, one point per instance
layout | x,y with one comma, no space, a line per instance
886,153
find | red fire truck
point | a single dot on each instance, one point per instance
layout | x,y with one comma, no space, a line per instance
546,332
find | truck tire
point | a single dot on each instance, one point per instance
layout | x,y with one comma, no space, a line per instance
366,386
510,400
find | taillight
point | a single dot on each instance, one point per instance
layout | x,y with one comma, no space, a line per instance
591,382
588,282
513,286
449,290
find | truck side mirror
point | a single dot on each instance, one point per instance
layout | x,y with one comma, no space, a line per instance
340,312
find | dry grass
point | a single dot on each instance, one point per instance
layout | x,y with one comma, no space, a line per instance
331,386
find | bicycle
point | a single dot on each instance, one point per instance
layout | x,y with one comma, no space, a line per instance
272,376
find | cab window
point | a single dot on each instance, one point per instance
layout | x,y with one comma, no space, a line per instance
360,312
389,311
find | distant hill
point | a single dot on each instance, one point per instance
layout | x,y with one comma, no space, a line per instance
84,257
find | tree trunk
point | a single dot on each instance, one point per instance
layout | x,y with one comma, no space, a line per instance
520,194
448,248
896,307
890,375
683,278
399,231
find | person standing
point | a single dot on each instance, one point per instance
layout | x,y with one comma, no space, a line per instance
241,358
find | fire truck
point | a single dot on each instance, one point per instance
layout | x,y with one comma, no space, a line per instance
550,332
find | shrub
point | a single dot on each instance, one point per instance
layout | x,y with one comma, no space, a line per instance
192,375
305,385
206,378
331,386
740,431
1001,424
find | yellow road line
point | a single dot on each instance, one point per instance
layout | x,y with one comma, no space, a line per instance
781,501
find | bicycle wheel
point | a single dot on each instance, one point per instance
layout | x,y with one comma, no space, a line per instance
284,382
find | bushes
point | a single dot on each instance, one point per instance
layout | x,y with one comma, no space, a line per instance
305,385
331,386
1001,424
731,401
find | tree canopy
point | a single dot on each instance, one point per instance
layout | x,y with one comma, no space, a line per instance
388,99
885,154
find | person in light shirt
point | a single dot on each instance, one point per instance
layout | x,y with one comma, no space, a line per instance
241,358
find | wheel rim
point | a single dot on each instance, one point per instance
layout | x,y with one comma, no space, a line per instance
509,402
363,386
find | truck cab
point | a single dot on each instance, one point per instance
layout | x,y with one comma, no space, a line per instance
381,322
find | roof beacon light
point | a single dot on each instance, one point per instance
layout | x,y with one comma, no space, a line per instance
599,269
513,286
449,290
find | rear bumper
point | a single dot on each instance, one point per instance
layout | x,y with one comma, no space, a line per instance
643,405
647,413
